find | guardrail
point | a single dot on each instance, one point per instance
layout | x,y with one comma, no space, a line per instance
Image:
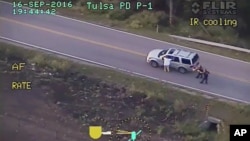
211,43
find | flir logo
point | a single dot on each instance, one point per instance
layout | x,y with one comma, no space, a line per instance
239,132
215,8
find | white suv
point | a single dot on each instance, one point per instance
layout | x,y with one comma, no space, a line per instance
183,61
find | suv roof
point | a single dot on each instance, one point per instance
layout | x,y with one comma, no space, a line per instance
181,53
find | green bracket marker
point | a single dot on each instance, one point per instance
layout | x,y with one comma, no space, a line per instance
134,135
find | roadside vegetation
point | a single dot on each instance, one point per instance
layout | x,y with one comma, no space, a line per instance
87,92
182,12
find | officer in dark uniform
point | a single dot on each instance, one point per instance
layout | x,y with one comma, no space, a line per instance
200,72
205,78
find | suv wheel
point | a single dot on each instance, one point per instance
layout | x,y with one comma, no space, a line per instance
182,70
154,64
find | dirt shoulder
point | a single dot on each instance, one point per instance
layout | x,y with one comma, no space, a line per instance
30,116
47,113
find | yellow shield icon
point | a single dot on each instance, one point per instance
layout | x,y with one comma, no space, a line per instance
95,132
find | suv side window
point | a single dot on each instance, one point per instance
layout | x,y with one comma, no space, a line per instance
186,61
176,59
169,57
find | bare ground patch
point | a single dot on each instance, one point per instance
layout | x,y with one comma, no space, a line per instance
29,116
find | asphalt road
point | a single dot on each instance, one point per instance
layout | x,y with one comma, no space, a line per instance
229,78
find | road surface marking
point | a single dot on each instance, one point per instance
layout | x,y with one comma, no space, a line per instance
73,37
123,70
98,43
140,36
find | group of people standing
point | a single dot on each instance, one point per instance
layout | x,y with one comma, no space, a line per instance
202,73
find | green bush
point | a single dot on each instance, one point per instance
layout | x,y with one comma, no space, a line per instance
179,106
219,34
183,28
119,14
136,24
14,55
62,66
160,129
2,51
220,31
200,137
39,60
226,35
146,19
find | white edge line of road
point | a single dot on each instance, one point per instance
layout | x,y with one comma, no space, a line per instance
124,70
124,32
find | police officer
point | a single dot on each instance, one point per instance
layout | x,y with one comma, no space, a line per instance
200,72
205,78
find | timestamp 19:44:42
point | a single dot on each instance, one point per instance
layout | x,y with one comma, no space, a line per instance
21,11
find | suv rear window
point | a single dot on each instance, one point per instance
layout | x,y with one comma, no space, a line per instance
171,51
196,57
186,61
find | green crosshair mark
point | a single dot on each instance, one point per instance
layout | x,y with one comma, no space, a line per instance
134,135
